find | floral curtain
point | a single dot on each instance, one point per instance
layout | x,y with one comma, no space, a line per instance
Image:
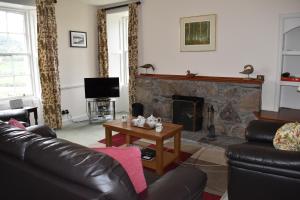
48,62
132,51
102,43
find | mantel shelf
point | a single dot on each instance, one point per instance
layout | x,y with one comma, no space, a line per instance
203,78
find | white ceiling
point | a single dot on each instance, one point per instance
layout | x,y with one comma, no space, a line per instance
101,2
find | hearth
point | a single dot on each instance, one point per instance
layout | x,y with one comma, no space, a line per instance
187,111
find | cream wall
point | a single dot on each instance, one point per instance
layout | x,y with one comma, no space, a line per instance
247,33
75,63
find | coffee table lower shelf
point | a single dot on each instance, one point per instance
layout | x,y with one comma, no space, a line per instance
168,158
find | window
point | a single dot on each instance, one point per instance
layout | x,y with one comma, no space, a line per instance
117,35
16,53
117,40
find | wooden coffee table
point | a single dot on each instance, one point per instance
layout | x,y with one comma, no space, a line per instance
162,158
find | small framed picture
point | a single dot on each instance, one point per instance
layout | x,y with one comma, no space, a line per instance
78,39
198,33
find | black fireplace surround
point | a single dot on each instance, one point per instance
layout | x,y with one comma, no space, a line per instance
187,111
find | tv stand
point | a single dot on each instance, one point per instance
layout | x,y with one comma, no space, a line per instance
100,107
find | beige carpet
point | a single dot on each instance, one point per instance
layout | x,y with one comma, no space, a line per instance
212,161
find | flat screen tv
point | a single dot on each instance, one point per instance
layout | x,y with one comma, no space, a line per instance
101,87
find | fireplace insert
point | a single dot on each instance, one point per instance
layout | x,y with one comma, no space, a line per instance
187,111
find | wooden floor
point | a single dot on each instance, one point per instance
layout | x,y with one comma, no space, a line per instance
284,114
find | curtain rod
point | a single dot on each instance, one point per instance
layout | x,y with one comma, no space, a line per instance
121,6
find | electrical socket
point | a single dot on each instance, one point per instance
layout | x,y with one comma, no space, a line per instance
65,112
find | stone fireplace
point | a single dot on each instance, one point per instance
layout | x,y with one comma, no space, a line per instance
234,99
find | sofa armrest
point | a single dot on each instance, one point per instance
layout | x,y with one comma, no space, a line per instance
42,130
264,158
182,183
262,131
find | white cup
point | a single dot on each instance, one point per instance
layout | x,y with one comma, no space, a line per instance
158,127
124,118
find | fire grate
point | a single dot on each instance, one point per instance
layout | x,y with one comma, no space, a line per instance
187,111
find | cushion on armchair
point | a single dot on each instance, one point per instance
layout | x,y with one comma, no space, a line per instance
288,137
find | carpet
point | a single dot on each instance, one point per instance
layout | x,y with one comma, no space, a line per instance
213,162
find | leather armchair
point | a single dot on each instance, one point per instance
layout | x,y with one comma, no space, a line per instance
258,171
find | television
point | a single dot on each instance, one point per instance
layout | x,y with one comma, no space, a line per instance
101,87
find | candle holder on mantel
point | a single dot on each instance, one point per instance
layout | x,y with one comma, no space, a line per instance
248,69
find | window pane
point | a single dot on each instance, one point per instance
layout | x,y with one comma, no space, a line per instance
12,43
15,86
20,65
23,86
3,27
5,66
6,87
15,22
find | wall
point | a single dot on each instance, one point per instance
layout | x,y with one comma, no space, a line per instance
75,63
247,33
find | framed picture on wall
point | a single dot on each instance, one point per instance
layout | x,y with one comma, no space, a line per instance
78,39
198,33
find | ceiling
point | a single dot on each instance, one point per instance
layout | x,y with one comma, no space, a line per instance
101,2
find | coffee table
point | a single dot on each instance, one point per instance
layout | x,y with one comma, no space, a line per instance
163,158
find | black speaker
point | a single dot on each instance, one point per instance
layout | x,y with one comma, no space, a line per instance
137,109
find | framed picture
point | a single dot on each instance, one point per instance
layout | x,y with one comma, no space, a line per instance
78,39
198,33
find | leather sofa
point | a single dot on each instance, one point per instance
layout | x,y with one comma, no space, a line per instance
18,114
36,165
258,171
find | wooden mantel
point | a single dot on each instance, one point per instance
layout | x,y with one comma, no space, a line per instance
203,78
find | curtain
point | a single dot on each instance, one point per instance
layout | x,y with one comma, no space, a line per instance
132,51
48,62
102,43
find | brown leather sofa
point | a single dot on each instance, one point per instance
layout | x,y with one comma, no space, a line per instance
38,166
258,171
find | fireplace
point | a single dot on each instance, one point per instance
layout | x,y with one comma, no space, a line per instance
234,99
187,111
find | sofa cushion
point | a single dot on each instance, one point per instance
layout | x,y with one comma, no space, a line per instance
264,155
14,141
130,159
42,130
82,166
16,123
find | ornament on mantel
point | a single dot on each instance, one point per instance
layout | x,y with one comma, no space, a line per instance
189,74
248,69
147,66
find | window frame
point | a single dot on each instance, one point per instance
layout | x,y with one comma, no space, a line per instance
31,46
